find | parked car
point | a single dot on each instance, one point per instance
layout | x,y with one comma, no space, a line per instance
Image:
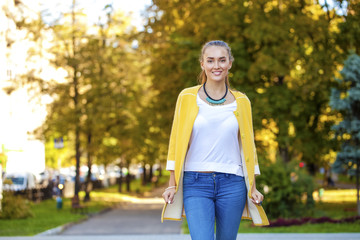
19,181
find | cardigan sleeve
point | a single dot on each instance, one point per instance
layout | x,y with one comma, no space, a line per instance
170,164
257,169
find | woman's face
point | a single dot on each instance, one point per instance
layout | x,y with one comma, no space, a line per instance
216,63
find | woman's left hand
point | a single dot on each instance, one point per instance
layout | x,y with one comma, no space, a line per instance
257,197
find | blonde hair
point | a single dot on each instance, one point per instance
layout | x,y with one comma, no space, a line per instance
202,76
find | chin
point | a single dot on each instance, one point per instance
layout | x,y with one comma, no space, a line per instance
217,79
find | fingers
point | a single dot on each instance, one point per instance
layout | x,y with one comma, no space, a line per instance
169,196
257,198
165,196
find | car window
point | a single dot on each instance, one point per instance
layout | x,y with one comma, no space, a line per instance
17,180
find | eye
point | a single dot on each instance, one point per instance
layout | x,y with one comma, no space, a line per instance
222,60
209,61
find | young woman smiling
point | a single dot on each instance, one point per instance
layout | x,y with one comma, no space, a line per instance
212,157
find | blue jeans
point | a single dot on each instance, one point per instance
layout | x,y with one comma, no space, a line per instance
210,196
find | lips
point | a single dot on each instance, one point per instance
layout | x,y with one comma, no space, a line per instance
217,73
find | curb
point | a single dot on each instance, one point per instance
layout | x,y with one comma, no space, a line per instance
60,229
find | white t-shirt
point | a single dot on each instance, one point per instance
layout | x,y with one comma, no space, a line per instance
214,143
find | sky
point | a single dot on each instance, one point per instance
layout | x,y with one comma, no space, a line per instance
93,8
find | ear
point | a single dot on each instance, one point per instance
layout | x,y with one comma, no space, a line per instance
202,65
230,65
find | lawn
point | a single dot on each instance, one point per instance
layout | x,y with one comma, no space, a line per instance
46,216
332,210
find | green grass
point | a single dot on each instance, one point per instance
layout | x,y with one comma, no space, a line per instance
332,210
335,210
46,216
246,227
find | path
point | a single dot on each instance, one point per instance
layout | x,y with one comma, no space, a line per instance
127,218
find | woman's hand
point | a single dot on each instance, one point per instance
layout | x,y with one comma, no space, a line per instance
256,196
168,195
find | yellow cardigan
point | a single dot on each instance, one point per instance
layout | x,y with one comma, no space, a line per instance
186,111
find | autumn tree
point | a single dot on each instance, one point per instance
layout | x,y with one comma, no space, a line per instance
110,82
285,56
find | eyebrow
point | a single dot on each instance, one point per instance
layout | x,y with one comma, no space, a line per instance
213,57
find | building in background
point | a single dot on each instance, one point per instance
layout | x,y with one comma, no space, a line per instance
20,112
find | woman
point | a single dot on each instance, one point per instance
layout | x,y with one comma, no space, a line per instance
212,158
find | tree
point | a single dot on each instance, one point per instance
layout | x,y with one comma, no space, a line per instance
346,99
285,57
349,36
108,80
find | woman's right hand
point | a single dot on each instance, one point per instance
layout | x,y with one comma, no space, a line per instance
168,195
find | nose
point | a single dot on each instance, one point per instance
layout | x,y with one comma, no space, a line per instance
216,64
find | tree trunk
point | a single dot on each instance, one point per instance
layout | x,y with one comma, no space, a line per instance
88,185
284,154
325,179
311,168
160,170
77,112
120,178
128,178
144,175
151,174
77,156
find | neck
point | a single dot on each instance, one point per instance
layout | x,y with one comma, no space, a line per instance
215,88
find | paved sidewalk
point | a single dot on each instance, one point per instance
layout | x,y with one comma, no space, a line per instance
246,236
126,219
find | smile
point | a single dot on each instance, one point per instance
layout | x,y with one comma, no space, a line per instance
217,73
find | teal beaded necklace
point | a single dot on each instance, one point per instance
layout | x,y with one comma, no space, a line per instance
213,101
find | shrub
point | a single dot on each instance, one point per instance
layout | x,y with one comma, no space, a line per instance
15,207
287,190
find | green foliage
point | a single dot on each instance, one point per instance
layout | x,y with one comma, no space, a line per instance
348,38
285,57
346,99
289,190
98,107
15,207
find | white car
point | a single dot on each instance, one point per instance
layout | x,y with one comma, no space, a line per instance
19,181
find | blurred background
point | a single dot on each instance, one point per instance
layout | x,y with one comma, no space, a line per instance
88,91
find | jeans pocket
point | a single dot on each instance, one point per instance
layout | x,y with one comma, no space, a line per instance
189,179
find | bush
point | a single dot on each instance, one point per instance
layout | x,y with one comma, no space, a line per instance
287,190
15,207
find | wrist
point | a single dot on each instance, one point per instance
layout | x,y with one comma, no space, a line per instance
170,187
